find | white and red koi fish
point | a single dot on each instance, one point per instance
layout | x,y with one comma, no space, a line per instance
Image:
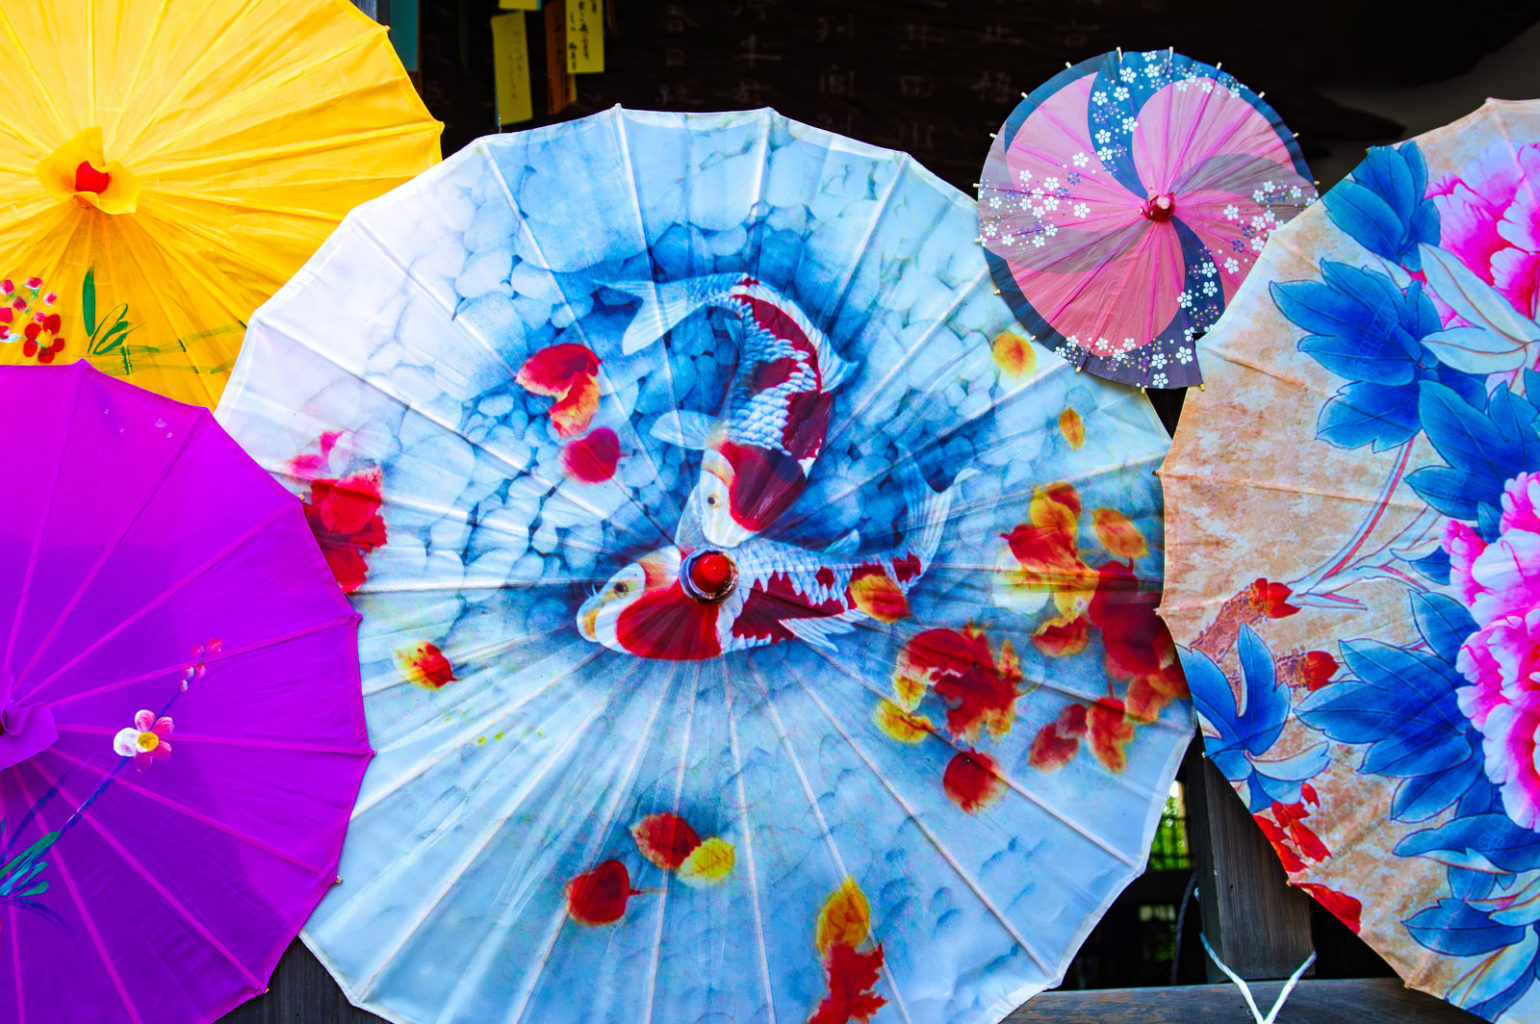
757,454
683,604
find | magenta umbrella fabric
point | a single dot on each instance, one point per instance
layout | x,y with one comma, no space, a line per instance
183,732
1123,203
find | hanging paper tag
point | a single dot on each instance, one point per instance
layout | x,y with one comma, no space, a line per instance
585,36
519,5
510,69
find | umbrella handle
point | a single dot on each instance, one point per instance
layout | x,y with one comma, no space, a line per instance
1251,1004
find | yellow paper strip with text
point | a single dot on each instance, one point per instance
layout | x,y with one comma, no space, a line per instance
519,5
585,36
510,69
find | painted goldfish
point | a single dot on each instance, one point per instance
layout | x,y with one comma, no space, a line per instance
679,603
756,455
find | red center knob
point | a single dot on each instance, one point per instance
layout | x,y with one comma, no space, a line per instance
1160,208
711,572
89,179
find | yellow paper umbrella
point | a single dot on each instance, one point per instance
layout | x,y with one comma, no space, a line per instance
165,165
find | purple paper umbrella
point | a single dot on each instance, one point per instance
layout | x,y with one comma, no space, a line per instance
181,725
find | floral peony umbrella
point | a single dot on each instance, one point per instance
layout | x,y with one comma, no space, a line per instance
1123,203
1355,541
181,733
755,628
169,164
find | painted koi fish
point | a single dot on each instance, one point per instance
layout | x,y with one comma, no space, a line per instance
757,454
683,604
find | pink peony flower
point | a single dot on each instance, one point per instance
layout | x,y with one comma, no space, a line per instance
1500,583
1489,217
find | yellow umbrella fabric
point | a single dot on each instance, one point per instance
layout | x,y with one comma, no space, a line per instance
165,165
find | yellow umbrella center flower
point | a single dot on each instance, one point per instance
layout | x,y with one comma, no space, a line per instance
78,170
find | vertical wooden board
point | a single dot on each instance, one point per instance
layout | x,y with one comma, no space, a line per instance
1257,923
518,5
585,36
510,69
560,89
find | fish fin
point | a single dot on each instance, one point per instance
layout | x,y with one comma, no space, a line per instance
683,428
844,546
666,304
817,632
832,369
927,509
691,532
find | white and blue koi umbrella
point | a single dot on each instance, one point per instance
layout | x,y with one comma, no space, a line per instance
755,627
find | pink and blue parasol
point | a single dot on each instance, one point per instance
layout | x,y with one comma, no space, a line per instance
1123,203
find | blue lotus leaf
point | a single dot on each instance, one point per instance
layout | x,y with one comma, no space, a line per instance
1382,205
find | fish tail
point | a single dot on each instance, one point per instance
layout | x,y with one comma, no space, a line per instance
666,304
927,509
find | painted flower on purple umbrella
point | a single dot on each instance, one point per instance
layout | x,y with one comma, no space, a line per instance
1489,217
1500,584
144,741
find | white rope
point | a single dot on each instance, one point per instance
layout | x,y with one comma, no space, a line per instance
1251,1004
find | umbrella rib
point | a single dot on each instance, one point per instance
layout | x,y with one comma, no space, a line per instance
863,622
375,383
476,653
197,816
229,654
281,469
748,842
247,205
842,291
109,547
433,586
475,849
650,999
10,919
96,939
1032,798
133,83
42,523
161,598
935,324
629,174
935,840
297,149
261,97
373,799
477,963
19,49
823,823
632,770
169,91
1262,485
577,323
170,323
227,741
172,901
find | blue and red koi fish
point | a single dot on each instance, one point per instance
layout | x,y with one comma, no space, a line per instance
757,454
680,603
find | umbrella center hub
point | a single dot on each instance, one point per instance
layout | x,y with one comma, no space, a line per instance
709,576
79,170
1159,208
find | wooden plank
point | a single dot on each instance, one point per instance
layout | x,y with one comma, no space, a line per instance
1255,921
300,992
1350,1001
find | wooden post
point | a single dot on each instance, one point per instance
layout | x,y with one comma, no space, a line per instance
1256,922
